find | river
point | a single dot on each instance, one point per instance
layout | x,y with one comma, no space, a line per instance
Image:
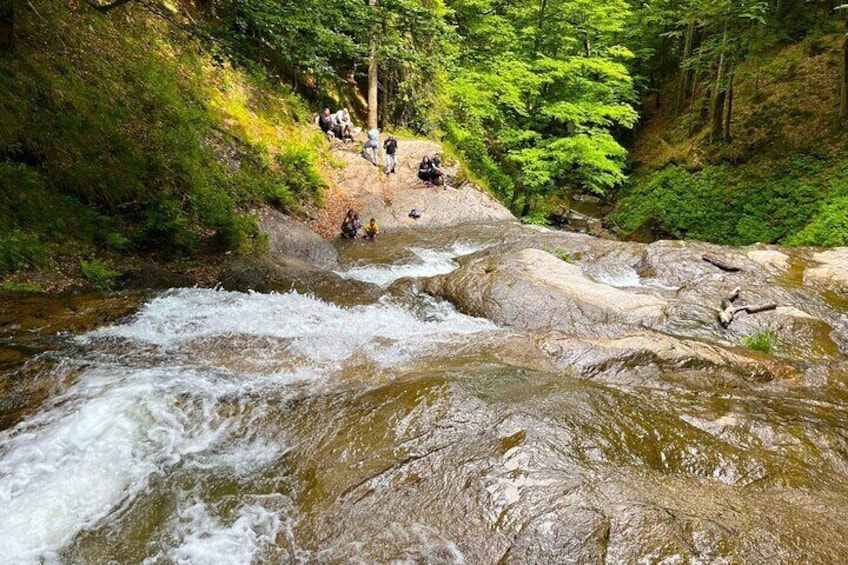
220,427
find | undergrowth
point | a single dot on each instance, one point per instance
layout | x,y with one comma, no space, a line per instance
125,134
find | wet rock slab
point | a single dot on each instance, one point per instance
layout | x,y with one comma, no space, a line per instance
532,289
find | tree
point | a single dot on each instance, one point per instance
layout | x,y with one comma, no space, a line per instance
372,73
843,98
546,97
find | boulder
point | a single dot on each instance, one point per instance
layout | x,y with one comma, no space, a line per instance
290,239
832,273
532,289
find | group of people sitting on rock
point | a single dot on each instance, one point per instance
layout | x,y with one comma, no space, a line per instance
337,125
431,172
351,227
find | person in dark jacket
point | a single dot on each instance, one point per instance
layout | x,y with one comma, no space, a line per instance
390,148
425,171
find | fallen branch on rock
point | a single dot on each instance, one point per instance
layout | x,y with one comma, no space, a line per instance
720,263
728,310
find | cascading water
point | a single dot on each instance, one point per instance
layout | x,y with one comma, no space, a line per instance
224,427
191,382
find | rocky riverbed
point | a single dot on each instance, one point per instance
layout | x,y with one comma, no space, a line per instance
464,390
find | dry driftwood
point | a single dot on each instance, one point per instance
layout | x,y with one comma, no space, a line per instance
728,310
720,263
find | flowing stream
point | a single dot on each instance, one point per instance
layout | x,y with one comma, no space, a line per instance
222,427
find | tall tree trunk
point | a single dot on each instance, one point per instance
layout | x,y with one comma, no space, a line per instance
843,103
372,76
717,101
728,106
7,25
685,71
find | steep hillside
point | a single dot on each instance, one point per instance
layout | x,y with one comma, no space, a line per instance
123,134
781,178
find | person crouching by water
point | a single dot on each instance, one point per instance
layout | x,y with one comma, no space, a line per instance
372,230
351,225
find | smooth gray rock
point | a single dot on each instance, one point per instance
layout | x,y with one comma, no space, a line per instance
290,239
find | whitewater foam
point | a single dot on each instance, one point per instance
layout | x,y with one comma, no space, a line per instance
153,406
430,262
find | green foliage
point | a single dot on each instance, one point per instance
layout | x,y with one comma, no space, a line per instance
155,150
299,170
98,274
19,250
736,206
760,341
828,228
534,115
21,287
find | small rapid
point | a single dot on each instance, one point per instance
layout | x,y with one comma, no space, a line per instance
428,262
191,382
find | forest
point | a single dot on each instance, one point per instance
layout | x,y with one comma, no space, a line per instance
147,126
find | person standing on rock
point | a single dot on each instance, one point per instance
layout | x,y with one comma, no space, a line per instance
390,148
373,144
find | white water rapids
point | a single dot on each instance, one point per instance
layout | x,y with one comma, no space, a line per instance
190,384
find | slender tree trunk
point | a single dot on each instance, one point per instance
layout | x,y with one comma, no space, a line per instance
843,103
525,210
7,25
685,72
717,102
728,106
372,76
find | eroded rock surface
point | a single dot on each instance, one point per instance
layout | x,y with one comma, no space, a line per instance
290,239
832,272
532,289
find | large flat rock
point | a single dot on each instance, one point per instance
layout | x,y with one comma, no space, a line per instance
532,289
357,183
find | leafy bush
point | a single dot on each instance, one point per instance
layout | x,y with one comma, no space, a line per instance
760,341
98,274
829,228
299,171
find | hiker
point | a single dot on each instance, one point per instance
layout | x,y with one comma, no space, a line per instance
372,230
390,148
414,214
373,144
425,171
349,225
438,175
325,122
342,125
